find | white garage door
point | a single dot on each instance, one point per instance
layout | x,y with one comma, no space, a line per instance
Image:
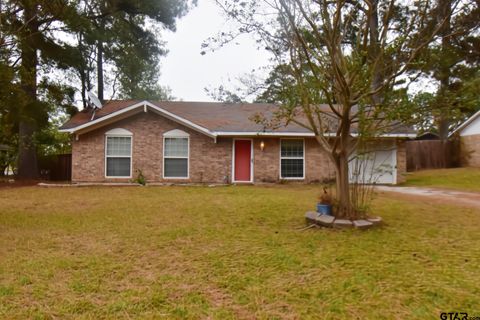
374,167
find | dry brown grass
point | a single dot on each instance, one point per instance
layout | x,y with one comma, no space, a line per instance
226,253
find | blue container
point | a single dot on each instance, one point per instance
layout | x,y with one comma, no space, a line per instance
324,209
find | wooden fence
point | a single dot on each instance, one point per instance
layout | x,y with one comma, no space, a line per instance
432,154
56,167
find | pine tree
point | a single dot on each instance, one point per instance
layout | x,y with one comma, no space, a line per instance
124,36
32,33
454,63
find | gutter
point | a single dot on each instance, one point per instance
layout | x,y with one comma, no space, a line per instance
216,134
301,134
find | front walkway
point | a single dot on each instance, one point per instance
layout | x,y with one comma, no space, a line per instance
453,197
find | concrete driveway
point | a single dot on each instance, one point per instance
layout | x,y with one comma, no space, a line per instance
453,197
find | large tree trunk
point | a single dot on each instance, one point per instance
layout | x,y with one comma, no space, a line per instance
100,70
341,157
3,168
83,78
27,152
443,121
443,130
344,209
27,155
83,72
443,124
444,75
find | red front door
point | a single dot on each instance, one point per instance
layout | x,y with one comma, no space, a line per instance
243,156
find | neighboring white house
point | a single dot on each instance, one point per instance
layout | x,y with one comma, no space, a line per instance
469,133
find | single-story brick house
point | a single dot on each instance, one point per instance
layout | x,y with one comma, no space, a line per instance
203,142
469,133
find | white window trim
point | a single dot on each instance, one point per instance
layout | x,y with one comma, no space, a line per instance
111,134
251,161
280,160
177,134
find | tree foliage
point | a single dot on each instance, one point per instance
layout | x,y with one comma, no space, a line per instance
123,36
52,50
453,63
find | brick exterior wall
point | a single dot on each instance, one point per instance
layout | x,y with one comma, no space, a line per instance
470,150
401,161
209,162
318,167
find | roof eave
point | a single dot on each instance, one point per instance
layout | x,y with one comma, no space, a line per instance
213,134
143,104
300,134
181,120
465,124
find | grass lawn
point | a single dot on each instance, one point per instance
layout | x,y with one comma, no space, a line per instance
466,179
228,252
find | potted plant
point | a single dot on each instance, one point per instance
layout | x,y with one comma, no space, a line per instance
325,201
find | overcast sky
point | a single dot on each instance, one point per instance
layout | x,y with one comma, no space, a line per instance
187,72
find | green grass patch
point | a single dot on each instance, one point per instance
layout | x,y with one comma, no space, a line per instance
227,253
465,179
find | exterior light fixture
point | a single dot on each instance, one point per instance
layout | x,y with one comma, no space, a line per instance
262,145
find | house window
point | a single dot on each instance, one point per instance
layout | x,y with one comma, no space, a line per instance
118,154
292,158
175,154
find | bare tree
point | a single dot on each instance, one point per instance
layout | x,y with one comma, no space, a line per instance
347,54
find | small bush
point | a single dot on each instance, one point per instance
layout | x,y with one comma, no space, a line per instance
140,178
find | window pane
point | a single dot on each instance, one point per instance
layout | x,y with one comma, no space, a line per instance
292,148
176,168
119,146
292,168
176,147
118,167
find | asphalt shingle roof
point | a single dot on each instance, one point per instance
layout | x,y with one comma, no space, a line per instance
214,116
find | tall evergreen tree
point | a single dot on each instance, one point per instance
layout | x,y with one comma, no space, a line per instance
30,27
38,34
121,30
454,63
